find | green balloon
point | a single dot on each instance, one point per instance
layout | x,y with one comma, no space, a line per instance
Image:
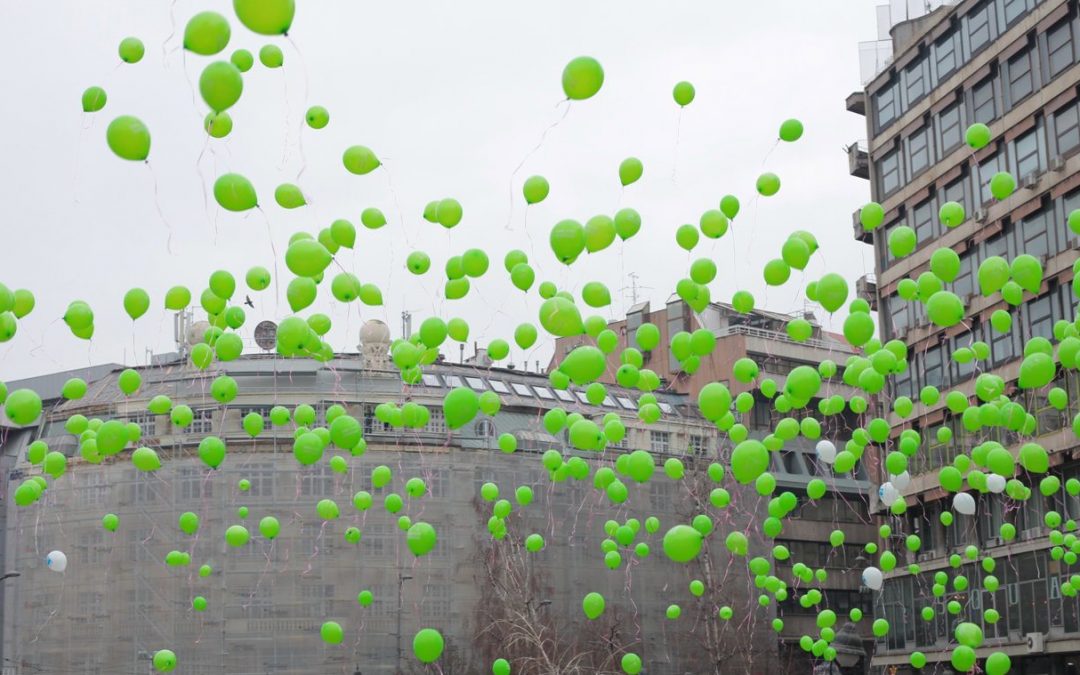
165,660
945,309
289,196
131,50
110,522
536,189
791,130
448,213
128,138
242,59
332,633
271,56
317,117
902,241
136,302
871,216
234,192
683,93
23,407
749,460
630,170
832,291
236,536
567,240
206,33
627,223
460,407
998,663
428,645
560,317
686,237
682,543
218,125
582,78
266,17
951,214
94,99
360,160
1002,184
221,85
421,538
977,135
768,184
945,264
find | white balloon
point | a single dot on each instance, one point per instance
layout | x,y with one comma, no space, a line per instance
902,481
964,503
56,561
995,483
871,578
888,494
826,451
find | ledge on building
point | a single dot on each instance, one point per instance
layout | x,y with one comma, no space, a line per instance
856,102
858,160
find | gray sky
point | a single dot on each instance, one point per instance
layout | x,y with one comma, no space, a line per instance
451,96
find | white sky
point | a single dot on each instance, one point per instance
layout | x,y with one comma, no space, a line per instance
451,96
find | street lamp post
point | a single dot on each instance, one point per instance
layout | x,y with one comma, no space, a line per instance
402,578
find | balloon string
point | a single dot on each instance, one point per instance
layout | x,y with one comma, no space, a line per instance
510,191
205,193
300,134
157,205
675,150
170,36
273,251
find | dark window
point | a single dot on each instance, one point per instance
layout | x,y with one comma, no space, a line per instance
933,367
899,316
957,192
986,171
950,133
889,173
1014,9
922,220
1059,47
945,55
920,151
1040,317
1021,81
1026,151
961,371
1003,345
964,283
996,246
887,107
983,103
915,81
1066,129
1036,239
979,27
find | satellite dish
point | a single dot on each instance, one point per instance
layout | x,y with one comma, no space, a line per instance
266,335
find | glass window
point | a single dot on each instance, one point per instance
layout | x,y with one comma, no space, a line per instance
521,389
889,173
957,192
453,381
666,408
915,81
499,386
476,383
626,402
964,283
609,402
1066,129
922,217
983,104
978,27
933,372
581,396
945,55
1003,345
986,171
899,315
1014,9
950,133
431,380
1059,47
1021,80
544,393
659,441
1026,152
920,151
1040,317
887,107
1035,236
564,395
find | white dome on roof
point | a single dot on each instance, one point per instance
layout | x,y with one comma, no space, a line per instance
374,332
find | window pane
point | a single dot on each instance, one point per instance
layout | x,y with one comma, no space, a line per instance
922,217
1066,129
1026,151
945,55
889,173
915,81
1021,82
949,131
1035,236
919,150
1059,47
886,105
978,27
983,105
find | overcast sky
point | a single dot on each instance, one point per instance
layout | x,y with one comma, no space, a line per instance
451,96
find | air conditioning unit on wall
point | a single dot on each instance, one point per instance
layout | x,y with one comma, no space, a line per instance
1057,163
1035,644
1031,180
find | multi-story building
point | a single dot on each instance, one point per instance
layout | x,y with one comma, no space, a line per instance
119,601
760,335
1010,64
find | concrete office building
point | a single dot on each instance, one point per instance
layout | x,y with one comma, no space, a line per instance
118,602
760,335
1011,64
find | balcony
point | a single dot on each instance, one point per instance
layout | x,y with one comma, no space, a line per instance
858,160
866,288
861,233
856,102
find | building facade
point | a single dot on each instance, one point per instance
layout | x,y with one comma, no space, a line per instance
760,335
119,601
1012,65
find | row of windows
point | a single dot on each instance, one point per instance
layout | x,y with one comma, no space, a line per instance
935,367
1042,234
534,391
1015,80
971,34
1028,600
